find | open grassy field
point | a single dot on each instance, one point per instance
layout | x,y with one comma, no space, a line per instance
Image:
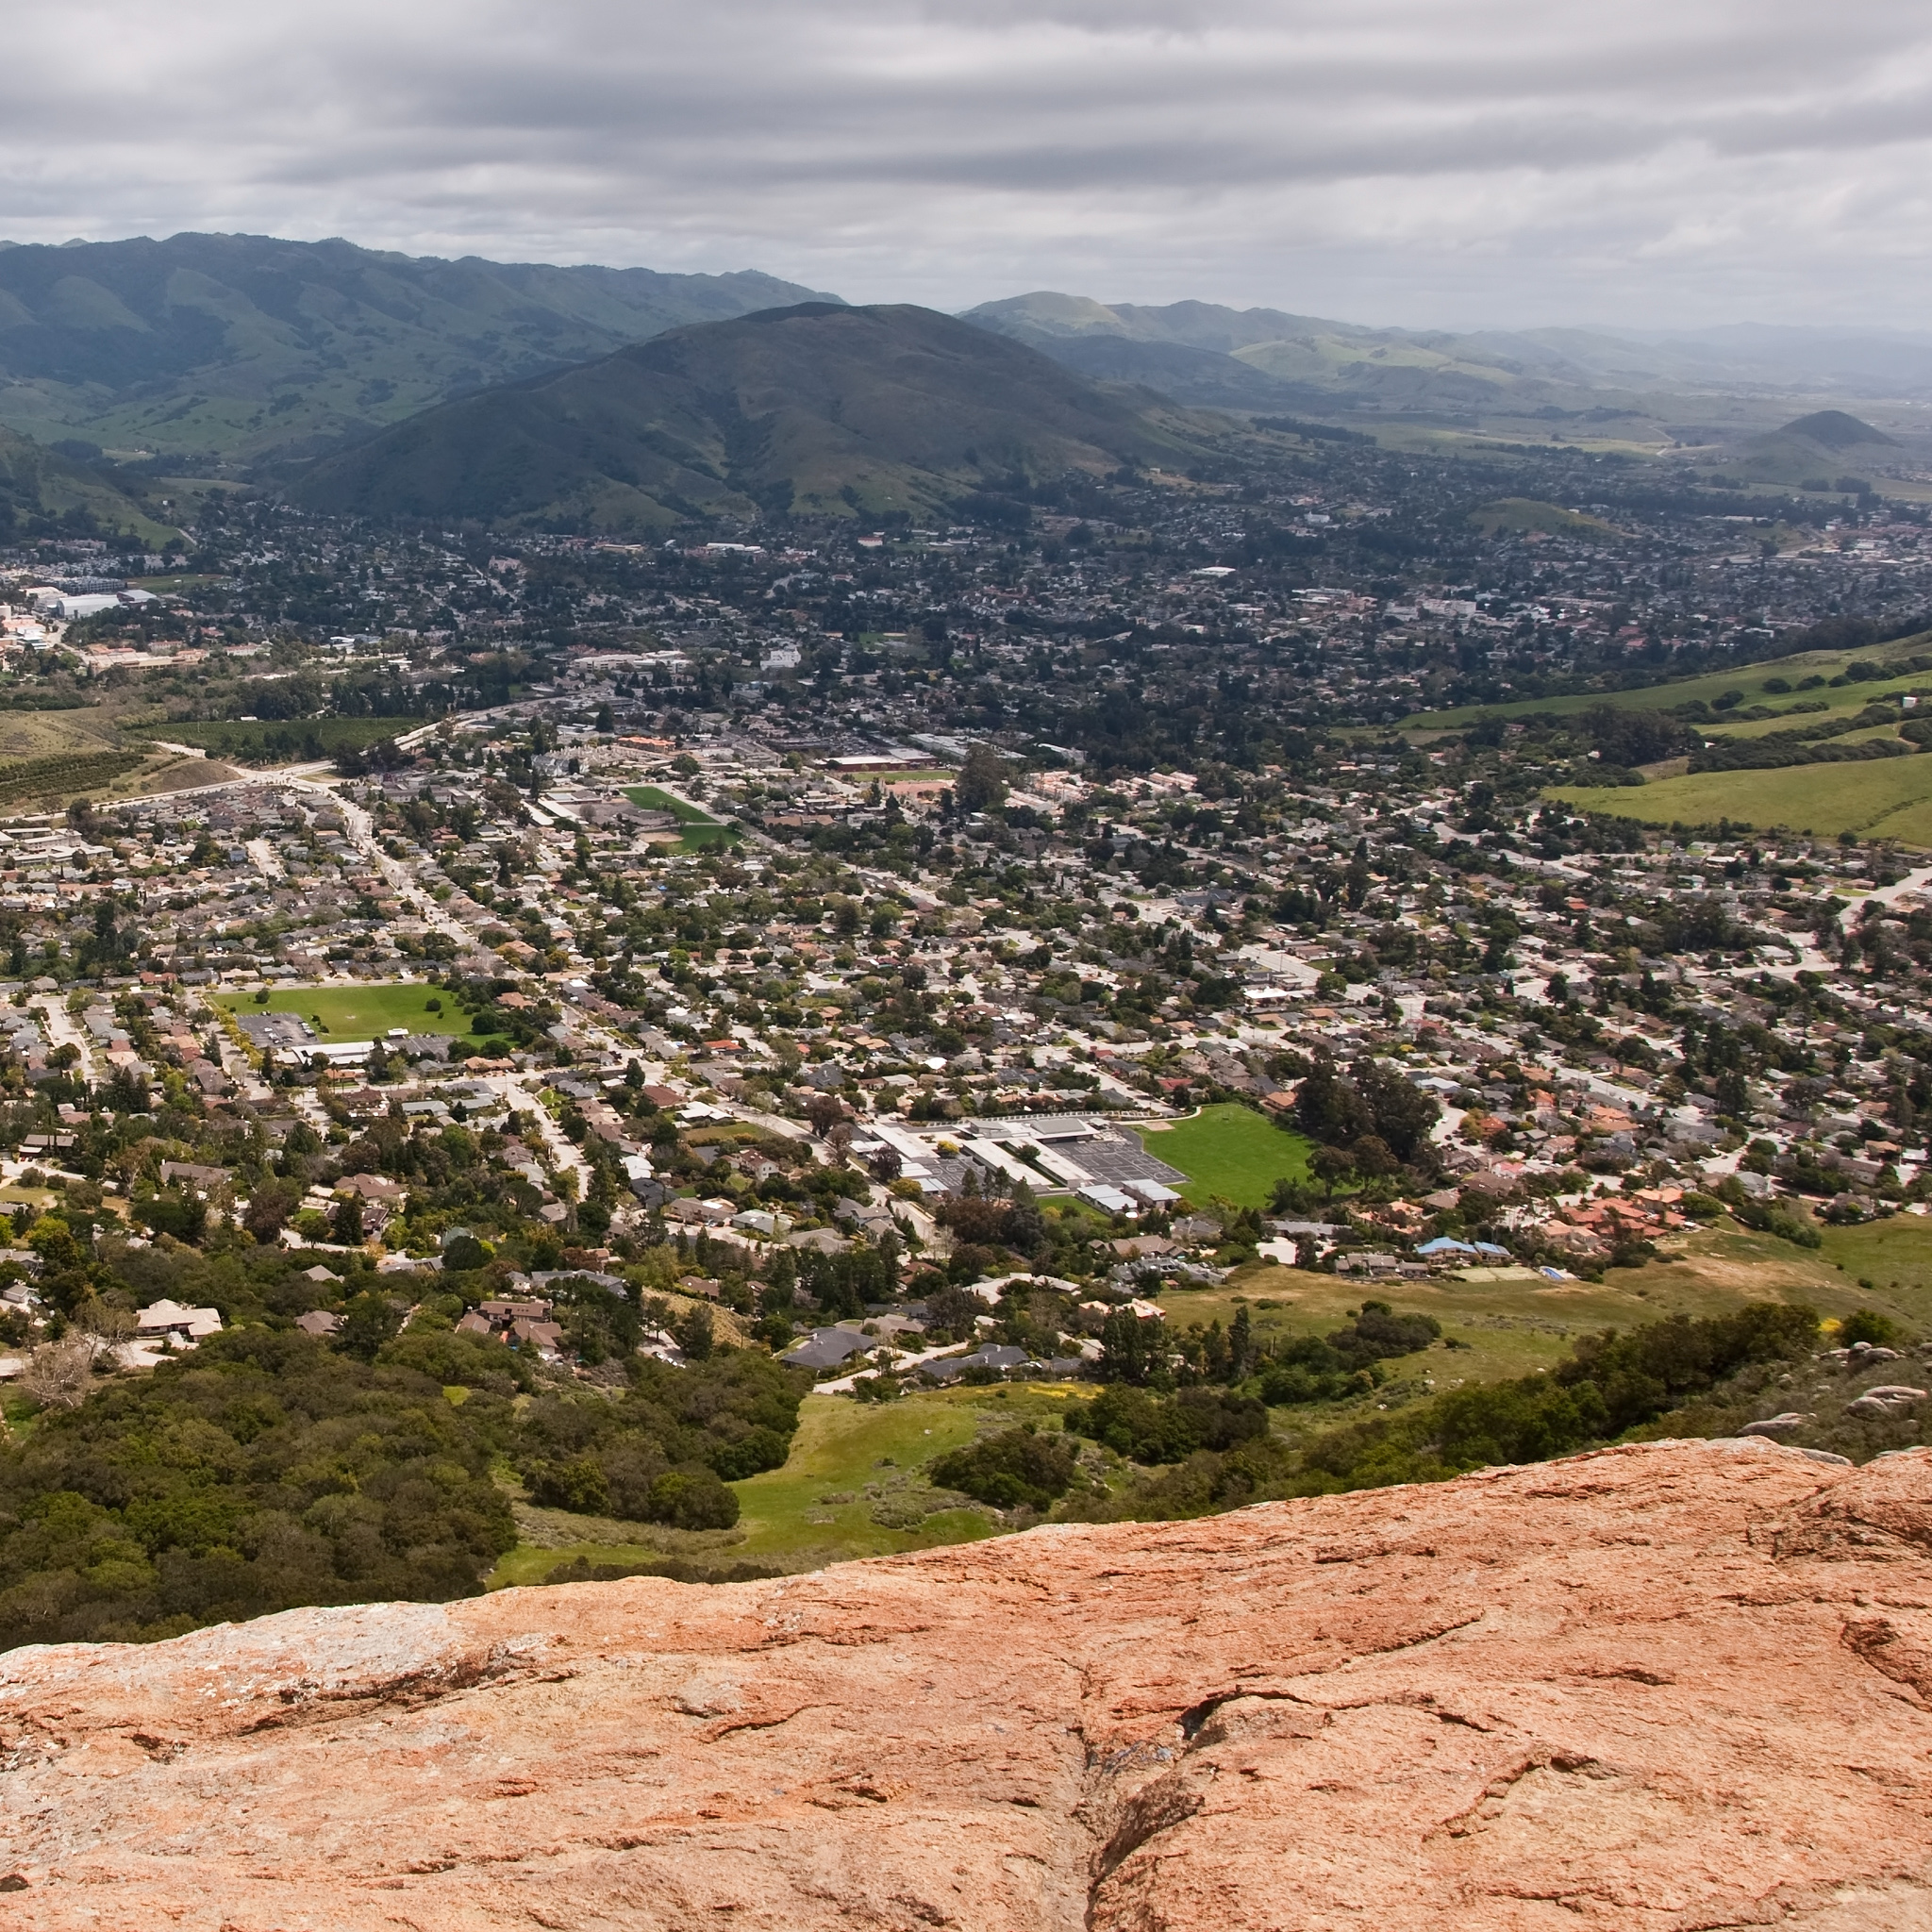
1514,1327
839,1448
1749,679
359,1012
816,1511
1230,1153
1889,798
270,742
702,833
1896,1256
27,734
1527,513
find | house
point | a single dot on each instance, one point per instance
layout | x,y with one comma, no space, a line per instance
319,1323
546,1338
994,1355
185,1326
701,1213
373,1186
200,1179
1372,1263
506,1314
828,1348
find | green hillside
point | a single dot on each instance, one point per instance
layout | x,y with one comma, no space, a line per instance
1814,450
1890,798
1797,671
823,409
41,493
246,344
1517,513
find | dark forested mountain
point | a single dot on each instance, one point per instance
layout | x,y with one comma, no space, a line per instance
246,344
816,407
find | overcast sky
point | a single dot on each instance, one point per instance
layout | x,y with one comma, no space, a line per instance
1427,162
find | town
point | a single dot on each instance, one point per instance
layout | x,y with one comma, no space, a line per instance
1084,946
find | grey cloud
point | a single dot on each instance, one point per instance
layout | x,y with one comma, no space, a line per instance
1402,160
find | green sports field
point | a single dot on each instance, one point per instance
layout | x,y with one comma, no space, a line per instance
702,833
359,1012
1230,1153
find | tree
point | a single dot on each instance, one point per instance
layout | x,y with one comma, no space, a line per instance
1404,1115
1328,1108
345,1225
695,1333
369,1320
953,1310
270,1206
981,785
59,1373
1129,1348
1241,1345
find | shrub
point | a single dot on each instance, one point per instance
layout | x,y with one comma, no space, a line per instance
289,1474
692,1499
1868,1324
1378,1332
578,1484
1152,1429
1016,1466
715,1422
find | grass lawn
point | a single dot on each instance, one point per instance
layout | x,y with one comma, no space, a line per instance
1889,798
1230,1153
702,832
1528,513
359,1012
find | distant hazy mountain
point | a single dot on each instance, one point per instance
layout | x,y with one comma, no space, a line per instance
1200,352
244,346
820,408
1818,448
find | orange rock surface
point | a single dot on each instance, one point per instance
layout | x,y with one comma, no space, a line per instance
1676,1687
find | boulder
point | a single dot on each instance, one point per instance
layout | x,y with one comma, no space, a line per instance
1663,1686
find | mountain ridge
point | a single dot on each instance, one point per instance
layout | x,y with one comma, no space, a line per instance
247,347
822,408
1507,381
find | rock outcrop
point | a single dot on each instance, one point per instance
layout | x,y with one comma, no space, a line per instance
1678,1686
